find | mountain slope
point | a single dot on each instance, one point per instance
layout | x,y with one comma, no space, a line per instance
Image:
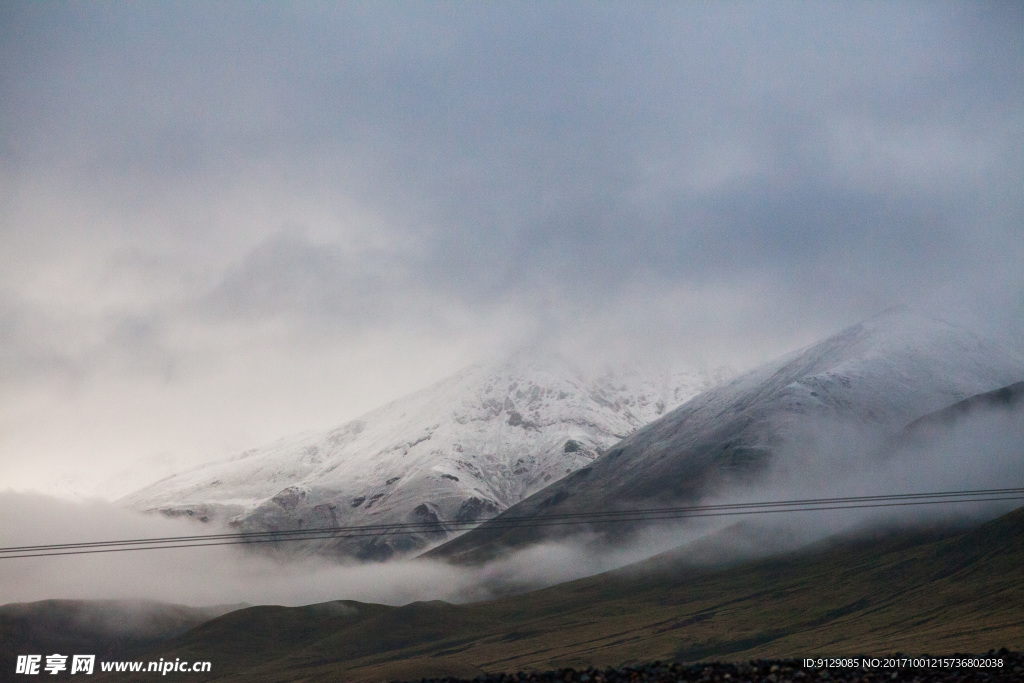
101,627
914,590
463,449
1008,398
883,373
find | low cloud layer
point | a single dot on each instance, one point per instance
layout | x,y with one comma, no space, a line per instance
200,576
229,575
827,458
981,451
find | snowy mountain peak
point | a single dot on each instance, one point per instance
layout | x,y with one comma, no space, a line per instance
874,378
894,366
465,448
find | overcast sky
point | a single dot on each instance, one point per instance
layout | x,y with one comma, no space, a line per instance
222,223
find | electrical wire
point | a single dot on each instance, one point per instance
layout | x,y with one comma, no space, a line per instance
512,522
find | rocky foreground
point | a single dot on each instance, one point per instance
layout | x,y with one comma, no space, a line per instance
781,670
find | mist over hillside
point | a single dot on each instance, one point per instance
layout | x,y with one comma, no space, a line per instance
817,422
850,439
914,590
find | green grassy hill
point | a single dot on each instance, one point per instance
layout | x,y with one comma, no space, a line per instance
909,591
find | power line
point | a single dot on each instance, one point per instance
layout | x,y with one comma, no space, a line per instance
966,494
509,522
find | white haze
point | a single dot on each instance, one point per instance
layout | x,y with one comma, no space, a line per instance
231,574
832,458
982,451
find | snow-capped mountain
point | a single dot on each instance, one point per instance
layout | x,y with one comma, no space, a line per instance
883,374
464,449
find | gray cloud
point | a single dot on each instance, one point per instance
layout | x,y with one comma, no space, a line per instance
183,186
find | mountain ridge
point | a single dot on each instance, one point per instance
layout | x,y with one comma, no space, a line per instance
464,449
880,374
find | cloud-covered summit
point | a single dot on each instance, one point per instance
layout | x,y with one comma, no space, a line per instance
200,202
